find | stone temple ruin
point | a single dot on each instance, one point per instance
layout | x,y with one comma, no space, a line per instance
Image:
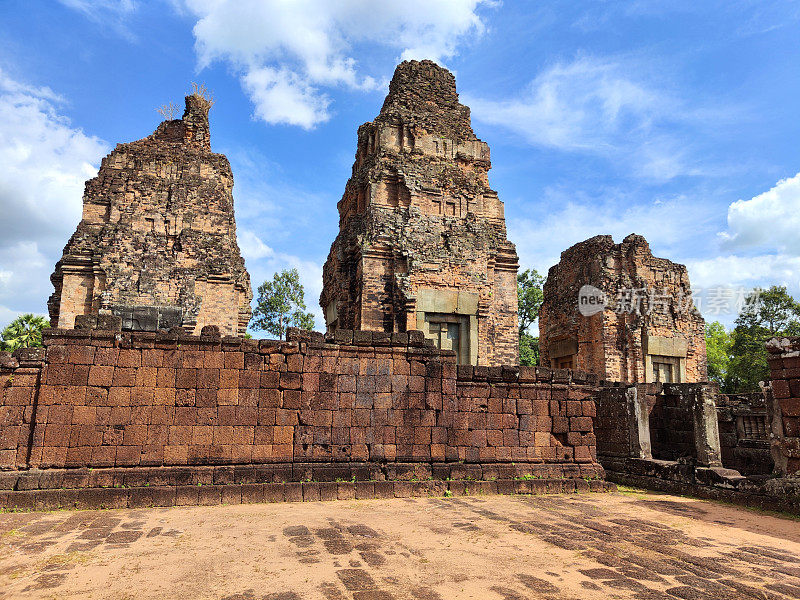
422,238
157,242
414,390
647,331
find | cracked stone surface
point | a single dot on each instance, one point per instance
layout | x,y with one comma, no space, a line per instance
621,545
157,240
648,313
418,217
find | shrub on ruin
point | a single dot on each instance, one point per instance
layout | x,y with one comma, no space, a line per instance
168,111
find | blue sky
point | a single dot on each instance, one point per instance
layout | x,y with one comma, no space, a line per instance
676,120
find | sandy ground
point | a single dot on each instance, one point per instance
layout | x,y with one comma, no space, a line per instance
621,545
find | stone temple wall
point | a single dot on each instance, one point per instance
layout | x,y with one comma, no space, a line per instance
422,241
744,433
105,399
157,241
676,438
648,330
783,404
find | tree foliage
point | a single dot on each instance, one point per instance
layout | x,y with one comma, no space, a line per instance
530,297
23,332
528,350
719,342
766,313
281,304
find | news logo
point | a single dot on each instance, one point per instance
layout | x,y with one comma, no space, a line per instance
591,301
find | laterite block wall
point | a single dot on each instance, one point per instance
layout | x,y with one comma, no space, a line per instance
783,404
94,398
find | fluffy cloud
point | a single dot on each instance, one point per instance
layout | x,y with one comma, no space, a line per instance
760,246
281,96
770,219
674,226
288,52
603,107
113,14
45,163
252,247
746,271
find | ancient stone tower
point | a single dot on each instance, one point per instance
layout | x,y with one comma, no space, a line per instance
157,241
642,328
422,237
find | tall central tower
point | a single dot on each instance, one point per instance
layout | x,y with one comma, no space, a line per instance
422,237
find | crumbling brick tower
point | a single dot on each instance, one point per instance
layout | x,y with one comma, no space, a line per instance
157,241
649,330
422,237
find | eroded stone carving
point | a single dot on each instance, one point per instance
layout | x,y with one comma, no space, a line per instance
647,330
157,241
422,240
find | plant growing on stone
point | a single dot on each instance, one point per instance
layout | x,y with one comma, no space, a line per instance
200,90
281,304
168,111
530,298
23,332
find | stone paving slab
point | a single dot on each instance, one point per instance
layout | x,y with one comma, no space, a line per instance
618,545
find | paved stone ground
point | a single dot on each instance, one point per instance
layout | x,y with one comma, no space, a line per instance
621,545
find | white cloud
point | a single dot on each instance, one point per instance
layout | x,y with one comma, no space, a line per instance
281,96
252,247
45,161
604,107
748,271
575,106
24,280
723,282
770,219
98,7
287,52
113,14
671,225
761,246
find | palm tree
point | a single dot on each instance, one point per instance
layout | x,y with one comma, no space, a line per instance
23,332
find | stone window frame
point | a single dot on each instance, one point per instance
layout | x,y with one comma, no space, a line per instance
672,362
562,349
462,321
659,349
451,302
752,427
332,315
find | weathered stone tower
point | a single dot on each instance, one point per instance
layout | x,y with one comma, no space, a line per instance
157,241
422,237
648,329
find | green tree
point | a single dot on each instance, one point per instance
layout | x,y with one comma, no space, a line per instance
528,350
719,342
766,313
281,304
23,332
529,297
